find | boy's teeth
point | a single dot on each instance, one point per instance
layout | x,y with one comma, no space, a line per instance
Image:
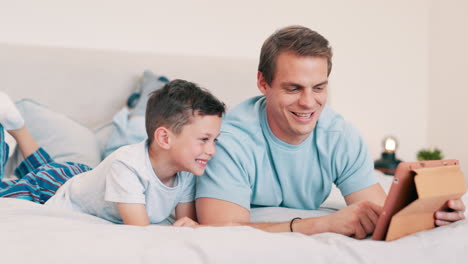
201,161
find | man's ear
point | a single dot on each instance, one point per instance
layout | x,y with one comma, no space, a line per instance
162,137
262,83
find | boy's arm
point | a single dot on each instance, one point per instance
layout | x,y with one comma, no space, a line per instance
185,210
186,215
133,214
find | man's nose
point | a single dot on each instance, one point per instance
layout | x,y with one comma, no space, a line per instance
307,99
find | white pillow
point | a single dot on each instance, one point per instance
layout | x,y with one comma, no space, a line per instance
63,138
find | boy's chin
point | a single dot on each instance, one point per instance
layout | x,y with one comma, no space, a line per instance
198,172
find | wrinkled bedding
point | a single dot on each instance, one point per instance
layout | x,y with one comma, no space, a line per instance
32,233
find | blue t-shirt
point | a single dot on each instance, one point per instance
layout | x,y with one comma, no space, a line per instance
253,168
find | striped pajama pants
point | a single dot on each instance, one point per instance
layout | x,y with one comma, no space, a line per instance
39,176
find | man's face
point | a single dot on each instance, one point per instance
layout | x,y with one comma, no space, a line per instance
296,96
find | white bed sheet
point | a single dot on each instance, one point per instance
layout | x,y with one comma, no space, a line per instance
32,233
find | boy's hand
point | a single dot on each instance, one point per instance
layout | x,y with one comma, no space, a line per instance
185,221
448,217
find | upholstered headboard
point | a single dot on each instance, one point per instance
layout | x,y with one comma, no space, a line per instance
91,85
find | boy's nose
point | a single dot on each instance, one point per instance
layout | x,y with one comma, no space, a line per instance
211,149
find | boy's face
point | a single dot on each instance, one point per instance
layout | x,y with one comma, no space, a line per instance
196,144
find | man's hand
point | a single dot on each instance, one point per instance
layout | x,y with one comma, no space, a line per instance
185,221
447,217
357,220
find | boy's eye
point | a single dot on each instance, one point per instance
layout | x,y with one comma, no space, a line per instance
216,140
204,139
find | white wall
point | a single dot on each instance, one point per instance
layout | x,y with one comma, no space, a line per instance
448,96
379,81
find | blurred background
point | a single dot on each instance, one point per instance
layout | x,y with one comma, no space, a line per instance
399,66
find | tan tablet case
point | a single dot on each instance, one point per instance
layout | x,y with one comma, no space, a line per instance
419,189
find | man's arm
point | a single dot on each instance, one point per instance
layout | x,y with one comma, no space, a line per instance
357,220
374,194
133,214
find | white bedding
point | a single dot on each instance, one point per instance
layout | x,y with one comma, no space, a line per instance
32,233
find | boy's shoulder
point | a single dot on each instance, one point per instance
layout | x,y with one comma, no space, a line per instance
131,155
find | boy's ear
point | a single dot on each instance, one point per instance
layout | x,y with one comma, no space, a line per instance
162,137
262,83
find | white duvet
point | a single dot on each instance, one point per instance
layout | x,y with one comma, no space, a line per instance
32,233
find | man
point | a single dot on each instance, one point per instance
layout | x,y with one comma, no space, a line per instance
286,148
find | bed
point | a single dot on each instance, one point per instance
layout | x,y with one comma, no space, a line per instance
76,92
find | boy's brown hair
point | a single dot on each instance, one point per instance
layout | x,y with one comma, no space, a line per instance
175,103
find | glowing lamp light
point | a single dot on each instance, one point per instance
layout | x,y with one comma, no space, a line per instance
390,144
388,161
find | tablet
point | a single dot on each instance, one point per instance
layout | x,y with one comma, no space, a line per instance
403,192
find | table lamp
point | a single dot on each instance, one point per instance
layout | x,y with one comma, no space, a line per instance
388,162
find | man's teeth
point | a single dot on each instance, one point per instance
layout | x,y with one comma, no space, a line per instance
201,161
303,115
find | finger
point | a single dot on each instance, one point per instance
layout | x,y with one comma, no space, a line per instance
359,233
456,205
376,208
178,222
373,216
184,221
449,216
441,222
366,223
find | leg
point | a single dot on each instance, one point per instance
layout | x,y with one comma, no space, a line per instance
10,119
4,150
29,148
13,122
25,141
38,186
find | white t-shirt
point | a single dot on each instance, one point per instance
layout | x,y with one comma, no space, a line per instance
126,176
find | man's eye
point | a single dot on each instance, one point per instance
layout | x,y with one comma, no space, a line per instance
319,89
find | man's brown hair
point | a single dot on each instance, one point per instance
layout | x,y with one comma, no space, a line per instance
299,40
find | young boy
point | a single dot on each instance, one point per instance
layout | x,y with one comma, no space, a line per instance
143,183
